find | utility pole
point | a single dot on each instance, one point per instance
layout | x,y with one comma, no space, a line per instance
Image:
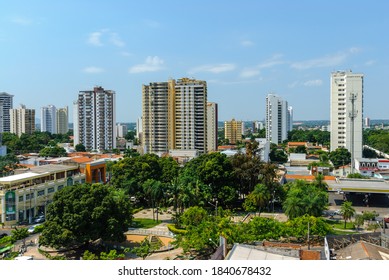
308,241
352,115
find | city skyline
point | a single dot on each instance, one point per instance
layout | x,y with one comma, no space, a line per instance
243,50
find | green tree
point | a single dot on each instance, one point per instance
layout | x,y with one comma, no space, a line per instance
347,211
193,216
53,151
305,198
339,157
259,197
278,156
8,163
83,213
19,234
80,148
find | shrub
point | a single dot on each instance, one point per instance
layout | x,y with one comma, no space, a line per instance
175,230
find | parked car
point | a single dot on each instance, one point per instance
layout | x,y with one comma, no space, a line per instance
31,229
39,219
386,219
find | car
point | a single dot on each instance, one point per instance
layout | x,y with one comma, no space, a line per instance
39,219
31,229
386,219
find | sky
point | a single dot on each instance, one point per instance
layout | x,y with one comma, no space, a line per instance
244,50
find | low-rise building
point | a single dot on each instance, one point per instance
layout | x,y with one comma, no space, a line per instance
28,192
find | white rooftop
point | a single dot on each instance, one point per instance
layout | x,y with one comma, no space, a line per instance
245,252
18,177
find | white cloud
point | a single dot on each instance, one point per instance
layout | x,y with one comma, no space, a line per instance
293,85
152,64
216,68
115,39
93,70
94,38
313,83
247,43
370,62
326,61
21,21
249,73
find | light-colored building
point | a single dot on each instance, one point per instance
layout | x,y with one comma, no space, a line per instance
121,130
22,120
290,112
95,121
63,120
347,112
28,192
6,103
174,116
139,130
233,131
49,119
277,119
212,126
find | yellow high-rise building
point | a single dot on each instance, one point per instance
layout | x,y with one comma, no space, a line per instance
174,116
233,131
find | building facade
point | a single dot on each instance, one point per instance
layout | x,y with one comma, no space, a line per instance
95,121
174,116
212,126
49,119
277,119
6,103
347,112
233,131
22,120
121,130
28,192
62,120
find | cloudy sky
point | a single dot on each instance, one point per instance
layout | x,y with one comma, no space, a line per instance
50,50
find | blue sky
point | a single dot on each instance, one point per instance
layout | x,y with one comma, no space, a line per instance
50,50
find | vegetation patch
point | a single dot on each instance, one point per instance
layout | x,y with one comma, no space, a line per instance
144,223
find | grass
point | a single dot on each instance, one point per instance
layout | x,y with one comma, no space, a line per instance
338,226
144,223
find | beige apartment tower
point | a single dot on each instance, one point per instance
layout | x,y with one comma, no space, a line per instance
347,112
212,126
233,131
22,120
174,116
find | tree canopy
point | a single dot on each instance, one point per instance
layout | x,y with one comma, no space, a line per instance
83,213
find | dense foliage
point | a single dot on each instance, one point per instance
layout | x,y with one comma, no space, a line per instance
83,213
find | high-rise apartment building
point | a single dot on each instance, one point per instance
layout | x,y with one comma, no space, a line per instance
62,120
174,116
121,130
49,119
212,126
22,120
95,119
347,112
277,119
6,103
233,131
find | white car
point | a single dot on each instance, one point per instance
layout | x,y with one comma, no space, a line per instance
31,229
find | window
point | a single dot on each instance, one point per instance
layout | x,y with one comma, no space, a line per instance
41,192
60,187
21,198
50,190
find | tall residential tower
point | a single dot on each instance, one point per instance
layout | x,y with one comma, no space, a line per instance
347,112
278,119
22,120
174,116
6,103
95,124
49,119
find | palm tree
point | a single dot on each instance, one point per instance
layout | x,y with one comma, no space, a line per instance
347,211
319,182
260,196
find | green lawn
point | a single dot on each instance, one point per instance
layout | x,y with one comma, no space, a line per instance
338,226
144,223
